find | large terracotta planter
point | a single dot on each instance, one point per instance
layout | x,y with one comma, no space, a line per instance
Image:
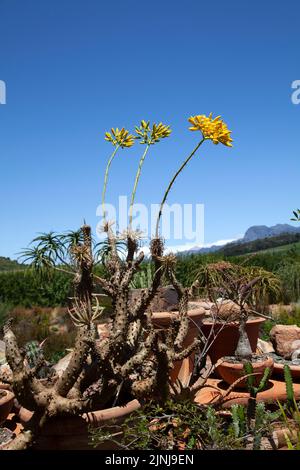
224,337
231,371
6,404
182,369
71,433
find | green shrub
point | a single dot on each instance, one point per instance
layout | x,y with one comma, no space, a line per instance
289,273
28,288
5,308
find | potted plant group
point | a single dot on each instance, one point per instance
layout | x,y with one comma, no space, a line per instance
107,377
239,288
221,282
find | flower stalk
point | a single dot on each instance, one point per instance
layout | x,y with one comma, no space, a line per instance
118,138
106,179
137,177
172,182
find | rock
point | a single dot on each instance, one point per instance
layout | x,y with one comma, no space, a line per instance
264,347
283,337
206,304
295,345
226,310
296,354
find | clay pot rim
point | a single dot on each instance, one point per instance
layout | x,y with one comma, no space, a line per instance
93,417
4,386
194,313
233,323
99,416
240,365
7,397
293,367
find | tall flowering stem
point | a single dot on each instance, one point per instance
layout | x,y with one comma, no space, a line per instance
106,179
137,177
172,182
118,138
147,135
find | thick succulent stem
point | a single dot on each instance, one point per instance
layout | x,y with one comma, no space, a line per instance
243,350
26,387
71,374
140,356
84,257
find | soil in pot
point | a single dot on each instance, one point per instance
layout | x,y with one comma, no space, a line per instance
232,369
280,362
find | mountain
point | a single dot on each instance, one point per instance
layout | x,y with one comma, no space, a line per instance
262,231
196,250
261,244
273,236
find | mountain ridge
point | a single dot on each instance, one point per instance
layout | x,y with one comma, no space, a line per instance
253,233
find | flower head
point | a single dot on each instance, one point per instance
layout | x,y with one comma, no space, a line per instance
212,128
150,136
120,137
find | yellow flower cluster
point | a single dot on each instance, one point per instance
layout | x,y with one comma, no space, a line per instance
149,135
213,129
120,137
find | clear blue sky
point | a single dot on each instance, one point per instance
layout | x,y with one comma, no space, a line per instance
75,68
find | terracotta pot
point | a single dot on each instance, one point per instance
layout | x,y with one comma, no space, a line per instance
182,369
227,336
71,433
230,371
6,404
4,386
278,371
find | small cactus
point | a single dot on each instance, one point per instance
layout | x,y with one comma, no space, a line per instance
289,387
254,390
33,353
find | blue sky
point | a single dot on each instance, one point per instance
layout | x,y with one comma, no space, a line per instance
75,68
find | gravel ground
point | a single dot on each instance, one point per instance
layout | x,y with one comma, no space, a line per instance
5,435
281,360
